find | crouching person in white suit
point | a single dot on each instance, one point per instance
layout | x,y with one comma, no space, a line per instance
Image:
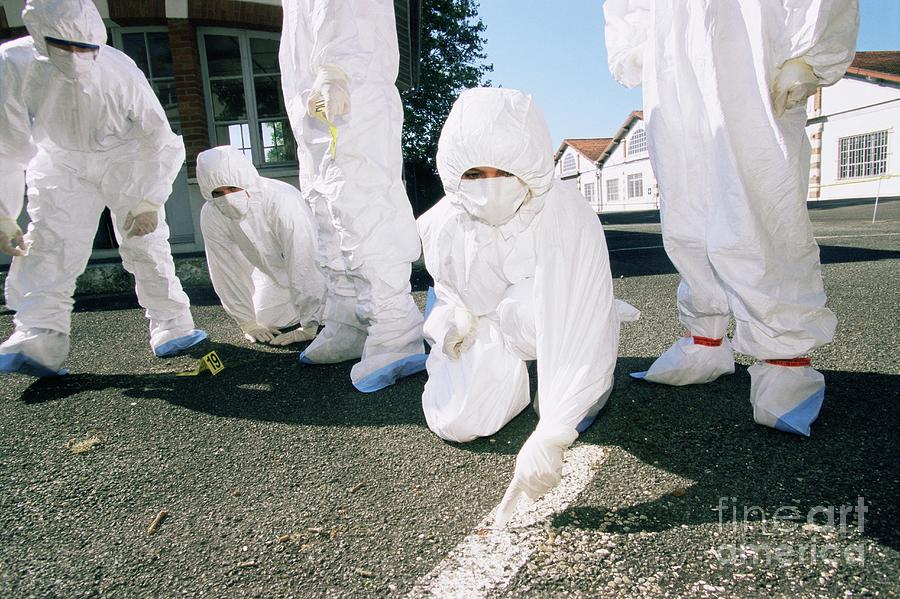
521,273
260,249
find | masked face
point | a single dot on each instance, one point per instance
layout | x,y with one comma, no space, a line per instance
494,200
74,65
233,205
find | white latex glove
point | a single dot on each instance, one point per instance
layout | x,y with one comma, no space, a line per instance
258,333
12,241
142,219
538,467
461,334
296,336
332,88
794,83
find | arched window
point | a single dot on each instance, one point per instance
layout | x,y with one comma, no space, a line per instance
569,164
638,142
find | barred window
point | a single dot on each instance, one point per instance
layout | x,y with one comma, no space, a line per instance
569,164
635,185
638,142
863,155
612,190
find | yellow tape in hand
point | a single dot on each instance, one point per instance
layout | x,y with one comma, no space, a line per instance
320,114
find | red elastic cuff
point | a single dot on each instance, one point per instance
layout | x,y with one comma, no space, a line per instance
791,362
707,341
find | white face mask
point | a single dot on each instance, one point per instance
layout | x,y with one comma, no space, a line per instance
74,65
233,205
495,200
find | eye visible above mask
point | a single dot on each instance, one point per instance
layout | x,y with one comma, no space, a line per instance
233,205
493,201
74,65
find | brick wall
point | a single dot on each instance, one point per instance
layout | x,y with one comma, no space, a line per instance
189,82
137,12
228,13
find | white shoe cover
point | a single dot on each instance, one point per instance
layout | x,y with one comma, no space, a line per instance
688,363
787,398
44,348
337,342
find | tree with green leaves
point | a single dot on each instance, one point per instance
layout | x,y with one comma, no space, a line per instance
452,59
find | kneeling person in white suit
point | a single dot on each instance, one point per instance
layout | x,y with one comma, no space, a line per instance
521,273
260,249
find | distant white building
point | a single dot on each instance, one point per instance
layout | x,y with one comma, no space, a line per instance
627,179
853,128
576,160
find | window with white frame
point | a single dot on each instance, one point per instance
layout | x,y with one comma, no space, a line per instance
588,191
569,165
863,155
244,100
612,190
635,185
149,49
638,141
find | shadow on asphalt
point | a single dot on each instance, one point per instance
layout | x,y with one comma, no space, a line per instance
703,433
707,434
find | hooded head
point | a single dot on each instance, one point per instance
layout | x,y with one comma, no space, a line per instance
498,128
227,167
75,21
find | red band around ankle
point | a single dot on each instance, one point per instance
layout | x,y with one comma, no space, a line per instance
707,341
792,362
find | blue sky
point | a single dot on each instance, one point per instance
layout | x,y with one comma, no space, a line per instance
555,51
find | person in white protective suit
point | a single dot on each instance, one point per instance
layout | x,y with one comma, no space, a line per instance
260,249
521,272
339,61
725,87
83,120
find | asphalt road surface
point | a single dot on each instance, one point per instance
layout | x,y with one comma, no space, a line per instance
280,480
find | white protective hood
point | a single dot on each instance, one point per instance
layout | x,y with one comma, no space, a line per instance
70,20
486,127
225,166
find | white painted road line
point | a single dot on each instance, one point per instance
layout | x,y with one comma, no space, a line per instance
488,559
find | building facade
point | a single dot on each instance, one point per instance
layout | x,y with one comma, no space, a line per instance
853,128
576,161
214,67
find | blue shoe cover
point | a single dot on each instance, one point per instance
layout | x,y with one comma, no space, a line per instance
798,420
24,365
430,300
170,348
638,375
304,360
388,375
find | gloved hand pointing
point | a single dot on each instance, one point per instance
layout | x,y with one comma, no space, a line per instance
793,84
461,334
142,219
12,241
538,467
257,333
333,89
297,335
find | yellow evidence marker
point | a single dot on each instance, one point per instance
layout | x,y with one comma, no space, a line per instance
210,362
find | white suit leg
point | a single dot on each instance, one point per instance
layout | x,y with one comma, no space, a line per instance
149,260
272,303
64,212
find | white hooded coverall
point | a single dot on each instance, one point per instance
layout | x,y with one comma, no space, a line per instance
262,265
366,230
101,139
537,287
734,175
